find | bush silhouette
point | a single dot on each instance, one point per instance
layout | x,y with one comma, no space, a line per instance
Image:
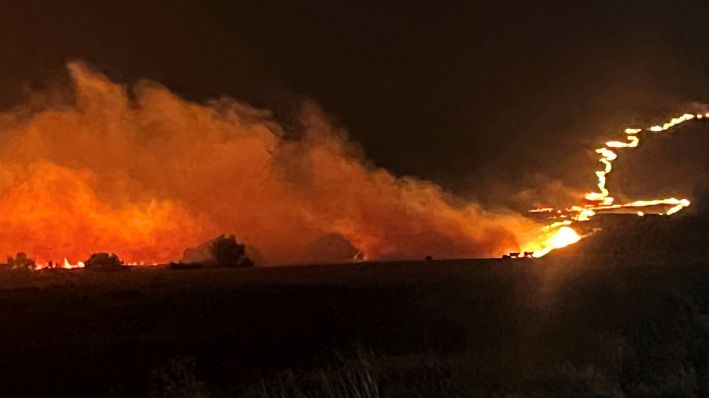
103,261
21,261
222,251
227,252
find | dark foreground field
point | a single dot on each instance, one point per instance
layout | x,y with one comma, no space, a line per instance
566,326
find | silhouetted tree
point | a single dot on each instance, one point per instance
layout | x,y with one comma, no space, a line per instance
227,252
222,251
103,261
21,261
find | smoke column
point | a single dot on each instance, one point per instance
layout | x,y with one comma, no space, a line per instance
142,173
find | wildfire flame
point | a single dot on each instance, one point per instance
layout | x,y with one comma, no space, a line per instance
140,172
63,265
145,174
561,234
560,237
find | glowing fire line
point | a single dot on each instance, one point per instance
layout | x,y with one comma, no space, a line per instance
80,264
562,234
65,265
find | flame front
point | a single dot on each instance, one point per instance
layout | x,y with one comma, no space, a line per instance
560,233
63,265
556,239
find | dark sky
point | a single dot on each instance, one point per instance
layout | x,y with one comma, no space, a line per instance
464,92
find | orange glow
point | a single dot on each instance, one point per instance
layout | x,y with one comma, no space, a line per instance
64,265
556,238
139,172
142,173
55,212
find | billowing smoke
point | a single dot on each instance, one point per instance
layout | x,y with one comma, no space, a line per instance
144,174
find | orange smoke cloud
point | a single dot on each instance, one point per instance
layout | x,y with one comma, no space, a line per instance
145,174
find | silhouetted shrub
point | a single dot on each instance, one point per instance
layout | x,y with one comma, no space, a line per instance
226,251
222,251
21,261
350,379
103,261
177,379
362,375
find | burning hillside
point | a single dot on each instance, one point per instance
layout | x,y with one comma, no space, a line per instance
559,233
144,174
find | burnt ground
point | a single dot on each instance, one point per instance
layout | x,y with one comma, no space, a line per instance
625,314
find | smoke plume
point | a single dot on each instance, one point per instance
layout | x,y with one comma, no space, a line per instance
143,173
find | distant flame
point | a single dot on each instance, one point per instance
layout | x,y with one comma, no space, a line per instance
561,237
64,265
600,201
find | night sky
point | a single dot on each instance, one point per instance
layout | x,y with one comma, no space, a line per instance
471,94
